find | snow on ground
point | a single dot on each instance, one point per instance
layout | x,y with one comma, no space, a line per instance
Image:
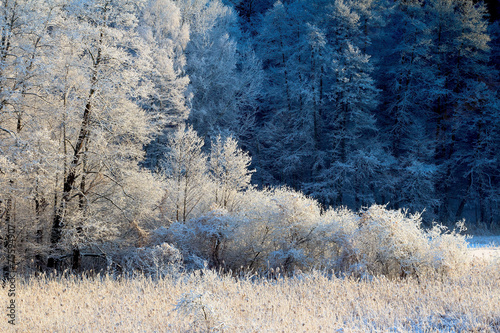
484,241
486,247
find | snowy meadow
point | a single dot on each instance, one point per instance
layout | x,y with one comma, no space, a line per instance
204,301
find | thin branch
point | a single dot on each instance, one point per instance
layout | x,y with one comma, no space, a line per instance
10,132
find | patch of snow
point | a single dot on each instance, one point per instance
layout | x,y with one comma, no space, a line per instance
485,247
484,241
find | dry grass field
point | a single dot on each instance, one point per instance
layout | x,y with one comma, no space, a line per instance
207,302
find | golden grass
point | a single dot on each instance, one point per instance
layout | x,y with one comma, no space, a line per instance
308,303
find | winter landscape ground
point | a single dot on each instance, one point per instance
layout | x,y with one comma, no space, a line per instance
487,247
204,301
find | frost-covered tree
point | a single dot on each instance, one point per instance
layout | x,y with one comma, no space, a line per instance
229,170
408,77
435,79
26,147
250,11
295,55
166,35
77,137
461,54
320,99
224,78
353,162
103,143
476,156
185,169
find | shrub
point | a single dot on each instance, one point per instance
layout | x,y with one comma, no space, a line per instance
393,243
282,228
156,261
206,237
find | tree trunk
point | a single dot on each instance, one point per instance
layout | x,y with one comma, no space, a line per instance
76,260
70,179
461,207
8,216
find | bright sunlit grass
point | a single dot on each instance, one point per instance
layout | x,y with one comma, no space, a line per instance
205,301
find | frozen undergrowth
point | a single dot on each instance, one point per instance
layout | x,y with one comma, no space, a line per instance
204,301
282,228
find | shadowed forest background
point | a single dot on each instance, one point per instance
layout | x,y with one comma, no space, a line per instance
246,133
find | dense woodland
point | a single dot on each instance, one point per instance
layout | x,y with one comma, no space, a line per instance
125,120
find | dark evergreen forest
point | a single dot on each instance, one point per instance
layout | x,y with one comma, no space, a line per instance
378,101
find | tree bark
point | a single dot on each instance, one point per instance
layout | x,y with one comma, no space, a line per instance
76,260
73,174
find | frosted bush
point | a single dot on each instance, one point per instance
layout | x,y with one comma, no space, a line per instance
205,237
334,236
157,261
378,241
393,243
282,228
390,242
273,228
448,249
281,225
